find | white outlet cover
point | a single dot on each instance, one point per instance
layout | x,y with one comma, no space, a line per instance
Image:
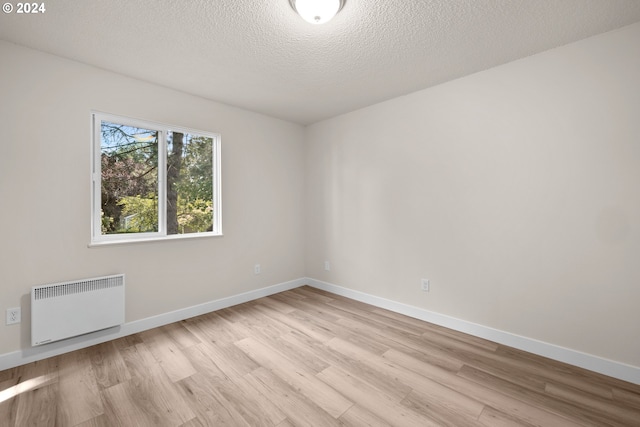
256,269
425,285
13,316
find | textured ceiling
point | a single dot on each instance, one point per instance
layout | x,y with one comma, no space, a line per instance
261,56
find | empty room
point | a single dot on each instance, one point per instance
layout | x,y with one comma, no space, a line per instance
320,213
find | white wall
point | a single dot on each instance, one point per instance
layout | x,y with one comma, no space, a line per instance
45,104
516,191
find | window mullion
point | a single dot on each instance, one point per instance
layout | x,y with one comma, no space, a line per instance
162,182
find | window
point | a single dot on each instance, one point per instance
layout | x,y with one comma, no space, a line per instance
153,181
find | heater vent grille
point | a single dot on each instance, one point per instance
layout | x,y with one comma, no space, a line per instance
88,285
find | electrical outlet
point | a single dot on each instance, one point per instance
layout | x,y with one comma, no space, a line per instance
256,269
13,316
425,285
327,266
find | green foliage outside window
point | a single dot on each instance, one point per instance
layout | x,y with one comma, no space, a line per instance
129,181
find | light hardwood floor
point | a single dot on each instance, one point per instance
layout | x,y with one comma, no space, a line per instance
309,358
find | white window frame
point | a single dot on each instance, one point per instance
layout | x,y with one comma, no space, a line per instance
97,238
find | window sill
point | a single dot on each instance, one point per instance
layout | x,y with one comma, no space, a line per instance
153,239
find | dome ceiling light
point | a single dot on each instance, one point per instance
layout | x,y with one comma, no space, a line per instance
317,11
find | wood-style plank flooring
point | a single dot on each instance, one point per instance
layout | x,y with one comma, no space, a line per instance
309,358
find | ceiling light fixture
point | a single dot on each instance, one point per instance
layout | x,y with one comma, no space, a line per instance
317,11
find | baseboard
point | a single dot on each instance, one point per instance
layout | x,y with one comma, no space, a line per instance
32,354
576,358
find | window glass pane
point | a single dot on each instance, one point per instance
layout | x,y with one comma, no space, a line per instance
129,180
189,183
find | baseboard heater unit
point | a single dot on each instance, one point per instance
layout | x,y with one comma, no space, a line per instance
65,310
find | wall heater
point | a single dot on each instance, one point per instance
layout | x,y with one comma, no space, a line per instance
64,310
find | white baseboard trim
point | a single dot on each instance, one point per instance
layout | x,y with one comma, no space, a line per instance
32,354
587,361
